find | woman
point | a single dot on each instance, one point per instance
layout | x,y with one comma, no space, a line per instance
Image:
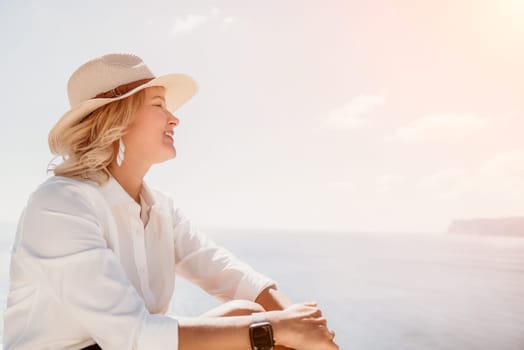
96,251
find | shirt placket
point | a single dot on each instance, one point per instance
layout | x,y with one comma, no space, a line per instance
141,261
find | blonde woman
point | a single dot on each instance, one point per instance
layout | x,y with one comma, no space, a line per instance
97,250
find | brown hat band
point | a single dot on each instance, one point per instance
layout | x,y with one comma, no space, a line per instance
122,89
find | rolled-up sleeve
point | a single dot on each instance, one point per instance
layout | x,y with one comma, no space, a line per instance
215,269
63,246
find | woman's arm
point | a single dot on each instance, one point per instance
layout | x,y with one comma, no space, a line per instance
272,299
61,249
300,326
212,267
222,275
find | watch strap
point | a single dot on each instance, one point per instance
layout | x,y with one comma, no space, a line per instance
258,317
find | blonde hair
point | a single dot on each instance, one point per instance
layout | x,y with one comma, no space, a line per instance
88,147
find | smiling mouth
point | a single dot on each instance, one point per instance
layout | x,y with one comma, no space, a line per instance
170,135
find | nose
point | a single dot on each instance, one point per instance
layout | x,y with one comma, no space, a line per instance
172,120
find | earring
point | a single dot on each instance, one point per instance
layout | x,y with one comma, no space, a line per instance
121,151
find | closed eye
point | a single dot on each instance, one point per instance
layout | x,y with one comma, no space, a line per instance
158,101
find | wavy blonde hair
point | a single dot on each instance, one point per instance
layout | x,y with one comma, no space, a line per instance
89,146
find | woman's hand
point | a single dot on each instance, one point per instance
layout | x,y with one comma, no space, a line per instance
301,326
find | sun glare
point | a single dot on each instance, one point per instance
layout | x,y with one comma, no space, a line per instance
517,7
514,14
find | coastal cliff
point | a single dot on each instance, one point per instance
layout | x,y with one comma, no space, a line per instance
513,226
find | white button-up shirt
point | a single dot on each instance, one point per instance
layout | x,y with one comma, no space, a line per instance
89,264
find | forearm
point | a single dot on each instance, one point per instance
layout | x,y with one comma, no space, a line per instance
299,326
273,299
228,333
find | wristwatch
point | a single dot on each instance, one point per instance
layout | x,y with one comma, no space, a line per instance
261,333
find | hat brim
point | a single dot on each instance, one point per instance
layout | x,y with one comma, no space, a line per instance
179,88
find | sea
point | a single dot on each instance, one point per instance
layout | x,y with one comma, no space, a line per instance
379,291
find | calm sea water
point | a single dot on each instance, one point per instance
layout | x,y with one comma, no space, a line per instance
381,291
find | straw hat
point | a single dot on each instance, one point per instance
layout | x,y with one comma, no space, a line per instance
113,77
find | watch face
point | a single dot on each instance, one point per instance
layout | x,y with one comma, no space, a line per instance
261,335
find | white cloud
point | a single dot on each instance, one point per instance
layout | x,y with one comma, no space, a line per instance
502,174
355,113
188,24
508,163
230,20
496,187
445,183
442,127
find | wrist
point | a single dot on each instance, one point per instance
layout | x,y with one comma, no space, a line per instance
261,332
279,331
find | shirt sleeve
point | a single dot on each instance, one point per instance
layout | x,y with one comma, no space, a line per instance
214,268
63,246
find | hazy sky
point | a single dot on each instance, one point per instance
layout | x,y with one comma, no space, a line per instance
372,115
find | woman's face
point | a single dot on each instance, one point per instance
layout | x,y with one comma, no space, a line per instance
150,136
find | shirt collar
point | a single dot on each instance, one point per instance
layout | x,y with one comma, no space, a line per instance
116,195
146,195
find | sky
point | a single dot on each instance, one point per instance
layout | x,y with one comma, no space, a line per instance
362,115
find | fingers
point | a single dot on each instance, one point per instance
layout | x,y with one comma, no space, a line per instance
313,315
317,313
331,337
329,334
308,309
314,307
320,321
328,338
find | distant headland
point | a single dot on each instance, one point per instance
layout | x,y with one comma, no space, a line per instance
510,226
